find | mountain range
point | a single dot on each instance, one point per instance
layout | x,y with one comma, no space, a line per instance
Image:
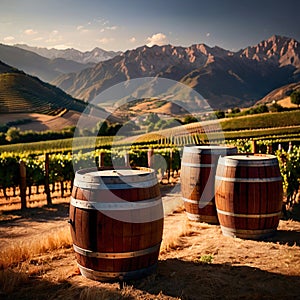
94,56
44,68
225,78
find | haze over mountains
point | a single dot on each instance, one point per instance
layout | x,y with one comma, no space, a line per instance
95,56
225,78
44,68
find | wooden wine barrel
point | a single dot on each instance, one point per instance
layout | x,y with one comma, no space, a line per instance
116,219
248,195
198,167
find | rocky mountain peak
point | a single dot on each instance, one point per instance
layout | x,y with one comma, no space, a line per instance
281,49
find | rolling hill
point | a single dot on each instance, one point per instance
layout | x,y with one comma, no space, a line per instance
20,93
280,93
225,78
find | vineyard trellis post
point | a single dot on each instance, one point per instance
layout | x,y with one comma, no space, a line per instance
23,184
290,147
101,159
170,167
126,158
269,149
150,158
47,187
254,146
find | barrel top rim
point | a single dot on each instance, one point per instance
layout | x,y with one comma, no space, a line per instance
190,148
118,172
250,157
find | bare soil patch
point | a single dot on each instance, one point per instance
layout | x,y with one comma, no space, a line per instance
286,102
196,262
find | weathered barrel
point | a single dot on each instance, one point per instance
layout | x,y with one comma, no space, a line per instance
198,168
248,195
116,219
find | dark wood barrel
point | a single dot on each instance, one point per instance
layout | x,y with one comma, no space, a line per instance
116,219
198,167
248,195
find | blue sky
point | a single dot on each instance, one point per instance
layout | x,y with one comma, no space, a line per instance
127,24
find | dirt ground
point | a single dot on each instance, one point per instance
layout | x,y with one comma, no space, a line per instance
196,261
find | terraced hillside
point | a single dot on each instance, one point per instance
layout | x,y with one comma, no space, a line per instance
21,93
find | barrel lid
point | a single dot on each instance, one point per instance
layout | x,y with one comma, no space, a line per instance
250,157
205,149
117,173
115,178
254,160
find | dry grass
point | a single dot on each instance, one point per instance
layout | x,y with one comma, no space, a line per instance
91,293
25,250
173,239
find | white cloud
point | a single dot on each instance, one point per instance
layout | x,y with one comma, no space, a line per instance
61,47
132,40
54,32
82,29
208,34
157,39
111,27
105,40
30,32
38,39
8,39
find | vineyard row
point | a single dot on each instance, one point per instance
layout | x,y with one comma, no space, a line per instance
43,170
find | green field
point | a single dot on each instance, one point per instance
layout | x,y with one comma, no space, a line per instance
266,120
283,126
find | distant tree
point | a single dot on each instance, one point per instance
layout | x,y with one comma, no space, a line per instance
235,110
150,127
129,127
260,109
3,128
2,138
159,124
113,129
220,114
170,123
190,119
152,118
295,97
13,134
102,128
275,107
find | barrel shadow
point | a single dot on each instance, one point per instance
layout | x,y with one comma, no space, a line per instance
188,280
294,213
285,237
38,214
174,278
